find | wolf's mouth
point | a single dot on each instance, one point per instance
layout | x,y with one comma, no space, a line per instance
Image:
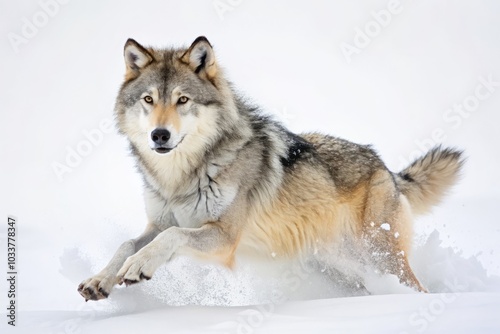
164,150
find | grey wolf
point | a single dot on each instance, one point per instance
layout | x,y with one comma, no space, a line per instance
222,178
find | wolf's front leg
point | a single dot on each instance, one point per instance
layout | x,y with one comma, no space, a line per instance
211,238
100,285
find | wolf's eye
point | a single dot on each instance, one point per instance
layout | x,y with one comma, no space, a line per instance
182,100
148,99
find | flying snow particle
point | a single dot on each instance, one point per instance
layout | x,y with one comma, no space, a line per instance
385,226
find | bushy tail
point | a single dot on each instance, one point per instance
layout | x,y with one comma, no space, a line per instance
428,178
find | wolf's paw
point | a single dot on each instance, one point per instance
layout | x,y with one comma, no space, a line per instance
97,287
138,267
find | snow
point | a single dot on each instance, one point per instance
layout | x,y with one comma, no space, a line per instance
400,92
385,227
442,313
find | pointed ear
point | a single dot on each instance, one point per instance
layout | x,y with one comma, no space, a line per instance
201,58
136,57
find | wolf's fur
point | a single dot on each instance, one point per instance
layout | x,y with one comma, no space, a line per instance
222,178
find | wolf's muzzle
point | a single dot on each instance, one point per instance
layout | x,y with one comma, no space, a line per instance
160,138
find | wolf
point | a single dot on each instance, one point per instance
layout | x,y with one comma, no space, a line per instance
220,177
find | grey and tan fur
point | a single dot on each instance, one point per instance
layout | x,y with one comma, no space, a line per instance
221,178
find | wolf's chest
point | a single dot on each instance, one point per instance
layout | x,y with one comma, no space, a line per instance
206,201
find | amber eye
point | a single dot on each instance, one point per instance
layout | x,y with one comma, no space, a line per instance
148,99
182,100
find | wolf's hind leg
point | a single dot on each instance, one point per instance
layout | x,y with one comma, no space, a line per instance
387,229
100,285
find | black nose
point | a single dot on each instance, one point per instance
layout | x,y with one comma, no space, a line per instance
160,136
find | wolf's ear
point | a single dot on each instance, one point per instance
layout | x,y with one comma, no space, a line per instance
136,57
201,58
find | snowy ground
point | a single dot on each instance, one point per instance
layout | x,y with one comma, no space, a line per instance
419,79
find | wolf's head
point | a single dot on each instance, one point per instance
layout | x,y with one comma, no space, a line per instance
174,100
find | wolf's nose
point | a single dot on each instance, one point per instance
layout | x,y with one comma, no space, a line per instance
160,136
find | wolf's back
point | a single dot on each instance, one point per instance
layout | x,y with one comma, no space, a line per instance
427,179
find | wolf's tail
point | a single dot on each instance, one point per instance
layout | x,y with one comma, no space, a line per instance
428,178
